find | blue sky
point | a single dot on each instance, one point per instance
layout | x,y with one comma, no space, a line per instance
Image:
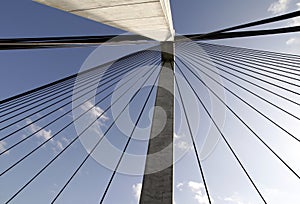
25,69
29,19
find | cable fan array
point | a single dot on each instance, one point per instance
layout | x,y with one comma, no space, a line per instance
25,118
42,159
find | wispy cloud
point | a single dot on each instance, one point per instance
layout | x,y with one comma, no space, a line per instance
59,145
94,110
280,195
3,147
236,198
282,6
279,6
45,134
137,188
182,142
294,22
42,133
183,145
293,41
194,189
91,114
179,186
198,189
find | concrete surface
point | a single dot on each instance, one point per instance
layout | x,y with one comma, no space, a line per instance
150,18
158,187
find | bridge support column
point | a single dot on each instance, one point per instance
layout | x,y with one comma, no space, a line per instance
158,178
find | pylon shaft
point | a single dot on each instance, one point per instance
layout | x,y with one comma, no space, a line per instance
158,179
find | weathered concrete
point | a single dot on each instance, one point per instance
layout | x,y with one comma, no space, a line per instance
158,187
150,18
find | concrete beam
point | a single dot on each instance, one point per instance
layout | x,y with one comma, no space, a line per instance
150,18
158,186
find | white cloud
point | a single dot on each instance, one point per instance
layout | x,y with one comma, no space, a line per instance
3,147
47,135
182,142
43,133
65,140
233,199
94,110
137,189
293,41
236,199
179,186
183,145
59,145
279,6
199,190
271,192
195,186
296,21
91,114
274,195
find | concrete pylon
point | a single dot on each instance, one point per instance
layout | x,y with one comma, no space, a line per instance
158,178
